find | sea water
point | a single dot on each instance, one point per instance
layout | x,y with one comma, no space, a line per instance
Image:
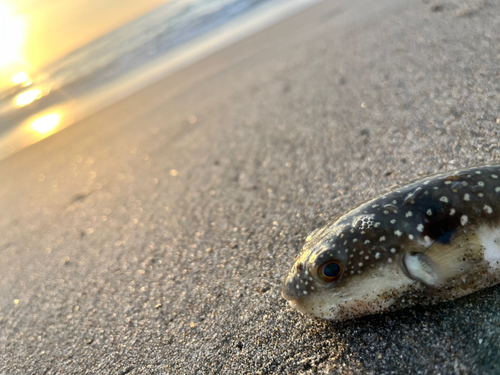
127,59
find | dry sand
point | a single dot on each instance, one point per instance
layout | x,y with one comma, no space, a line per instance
136,242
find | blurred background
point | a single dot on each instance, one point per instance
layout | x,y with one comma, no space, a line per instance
62,60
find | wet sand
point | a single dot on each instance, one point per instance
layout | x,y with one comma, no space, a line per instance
152,237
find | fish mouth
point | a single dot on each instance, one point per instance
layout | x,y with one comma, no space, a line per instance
292,289
287,291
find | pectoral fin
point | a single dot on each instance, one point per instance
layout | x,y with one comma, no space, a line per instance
444,261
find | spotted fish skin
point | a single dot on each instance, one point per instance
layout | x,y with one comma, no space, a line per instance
432,240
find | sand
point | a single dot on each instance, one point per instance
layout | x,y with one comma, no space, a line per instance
153,236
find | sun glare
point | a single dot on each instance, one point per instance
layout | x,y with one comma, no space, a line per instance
11,35
27,97
46,123
20,77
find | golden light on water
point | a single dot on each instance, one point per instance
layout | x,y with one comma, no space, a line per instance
45,123
20,77
34,34
13,66
36,128
11,36
27,97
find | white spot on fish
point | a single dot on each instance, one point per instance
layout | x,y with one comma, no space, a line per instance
447,182
389,260
464,219
367,241
386,212
480,195
466,197
398,233
480,183
393,250
297,286
408,214
377,255
494,176
360,264
305,292
429,212
452,212
382,238
488,209
393,221
367,257
443,199
410,236
355,240
427,240
478,172
420,227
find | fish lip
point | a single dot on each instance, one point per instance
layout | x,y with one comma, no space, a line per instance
288,291
285,293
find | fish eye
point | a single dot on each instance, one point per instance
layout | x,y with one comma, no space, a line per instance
330,271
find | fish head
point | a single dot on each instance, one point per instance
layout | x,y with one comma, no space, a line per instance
340,274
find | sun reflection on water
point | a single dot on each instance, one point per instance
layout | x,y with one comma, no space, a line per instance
21,77
45,123
11,39
27,97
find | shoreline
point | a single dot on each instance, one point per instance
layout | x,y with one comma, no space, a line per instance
67,113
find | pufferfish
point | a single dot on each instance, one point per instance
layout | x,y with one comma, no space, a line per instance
433,240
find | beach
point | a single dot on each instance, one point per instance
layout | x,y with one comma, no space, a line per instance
152,237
